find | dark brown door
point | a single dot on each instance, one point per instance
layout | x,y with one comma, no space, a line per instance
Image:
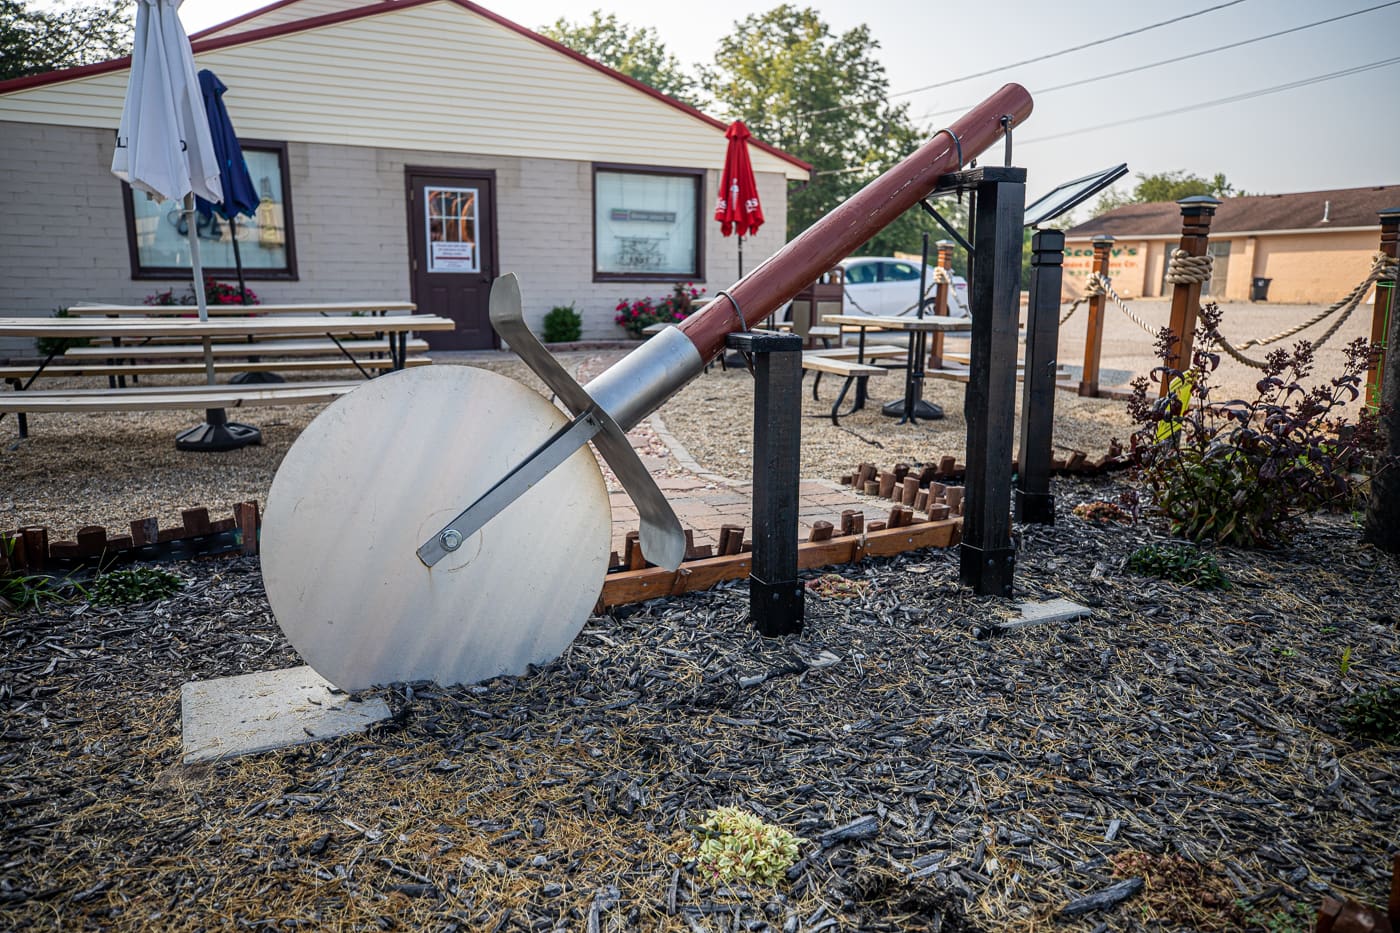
452,241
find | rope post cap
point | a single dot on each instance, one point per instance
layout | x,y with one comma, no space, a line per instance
1104,239
1389,215
949,244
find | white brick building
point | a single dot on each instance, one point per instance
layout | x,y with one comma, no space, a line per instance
413,148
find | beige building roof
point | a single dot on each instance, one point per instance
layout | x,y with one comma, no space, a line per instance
439,75
1303,211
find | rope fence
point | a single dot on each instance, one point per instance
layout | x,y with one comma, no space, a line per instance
1185,269
1382,268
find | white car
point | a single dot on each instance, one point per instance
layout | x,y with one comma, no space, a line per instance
883,285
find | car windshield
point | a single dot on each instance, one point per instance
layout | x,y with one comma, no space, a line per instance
861,274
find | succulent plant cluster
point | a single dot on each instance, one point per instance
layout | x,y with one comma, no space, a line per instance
736,845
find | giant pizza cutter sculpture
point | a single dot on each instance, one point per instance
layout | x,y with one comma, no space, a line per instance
447,523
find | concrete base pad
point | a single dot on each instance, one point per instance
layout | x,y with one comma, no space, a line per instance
1053,610
251,713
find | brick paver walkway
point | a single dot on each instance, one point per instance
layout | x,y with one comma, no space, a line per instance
705,501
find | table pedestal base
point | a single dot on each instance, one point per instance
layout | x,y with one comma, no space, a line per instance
217,433
922,410
255,378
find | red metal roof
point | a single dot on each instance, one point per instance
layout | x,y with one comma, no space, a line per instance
1302,210
373,9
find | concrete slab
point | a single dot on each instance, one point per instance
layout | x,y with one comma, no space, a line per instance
1054,610
252,713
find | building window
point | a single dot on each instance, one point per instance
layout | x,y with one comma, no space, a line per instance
647,223
157,233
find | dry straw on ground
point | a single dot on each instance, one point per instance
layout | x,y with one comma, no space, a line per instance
948,778
1172,760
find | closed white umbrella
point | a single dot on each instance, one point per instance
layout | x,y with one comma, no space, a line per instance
165,148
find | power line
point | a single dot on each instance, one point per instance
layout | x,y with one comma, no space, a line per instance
1037,58
1249,95
1236,98
1180,58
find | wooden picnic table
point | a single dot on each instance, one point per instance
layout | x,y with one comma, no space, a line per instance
391,330
308,308
912,406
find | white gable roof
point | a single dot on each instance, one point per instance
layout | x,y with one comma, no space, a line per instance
439,75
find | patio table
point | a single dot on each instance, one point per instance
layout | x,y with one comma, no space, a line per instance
918,328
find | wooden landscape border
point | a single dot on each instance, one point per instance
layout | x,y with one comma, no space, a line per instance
632,586
30,548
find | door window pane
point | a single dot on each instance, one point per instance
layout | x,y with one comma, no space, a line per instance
646,224
900,272
451,216
159,231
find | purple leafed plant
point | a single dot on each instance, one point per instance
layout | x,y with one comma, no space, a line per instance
1244,471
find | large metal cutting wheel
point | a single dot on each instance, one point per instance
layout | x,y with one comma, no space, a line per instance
384,468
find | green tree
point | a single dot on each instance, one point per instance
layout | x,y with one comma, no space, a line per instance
637,53
35,38
1167,186
824,98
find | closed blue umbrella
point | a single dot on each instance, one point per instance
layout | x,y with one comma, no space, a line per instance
236,185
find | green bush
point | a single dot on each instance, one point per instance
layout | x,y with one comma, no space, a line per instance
562,324
138,585
1244,471
1374,715
57,345
1180,564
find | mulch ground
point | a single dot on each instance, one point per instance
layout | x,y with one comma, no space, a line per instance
1172,761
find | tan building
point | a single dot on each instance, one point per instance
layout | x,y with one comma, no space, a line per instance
1312,246
413,149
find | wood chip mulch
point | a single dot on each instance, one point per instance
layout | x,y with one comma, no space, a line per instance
1171,761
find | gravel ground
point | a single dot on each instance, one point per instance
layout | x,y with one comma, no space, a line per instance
108,469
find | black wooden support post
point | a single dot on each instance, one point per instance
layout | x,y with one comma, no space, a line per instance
775,592
988,561
1034,503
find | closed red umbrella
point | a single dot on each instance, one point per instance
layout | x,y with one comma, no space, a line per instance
737,209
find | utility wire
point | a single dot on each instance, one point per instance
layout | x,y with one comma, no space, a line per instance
1041,91
1038,58
1248,95
1236,98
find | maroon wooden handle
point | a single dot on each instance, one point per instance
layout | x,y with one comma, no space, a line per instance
854,221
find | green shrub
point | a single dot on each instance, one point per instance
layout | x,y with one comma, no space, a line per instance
1244,471
1179,564
735,844
58,345
562,324
137,585
1375,715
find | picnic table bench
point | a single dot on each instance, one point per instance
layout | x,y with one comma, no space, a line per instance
282,334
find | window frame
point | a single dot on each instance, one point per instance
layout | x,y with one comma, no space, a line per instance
699,175
166,273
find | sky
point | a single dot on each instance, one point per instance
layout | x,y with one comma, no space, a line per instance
1338,133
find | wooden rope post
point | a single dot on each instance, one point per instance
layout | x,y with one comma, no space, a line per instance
940,303
1093,335
1196,213
1385,304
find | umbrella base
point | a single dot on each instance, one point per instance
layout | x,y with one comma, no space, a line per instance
217,433
923,411
244,379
